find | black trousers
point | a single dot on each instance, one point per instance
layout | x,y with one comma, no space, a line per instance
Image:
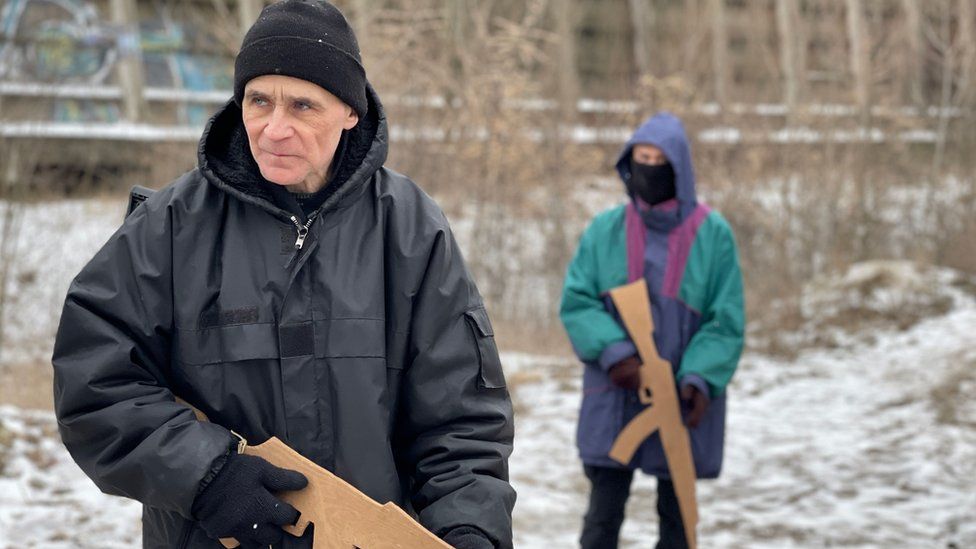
605,515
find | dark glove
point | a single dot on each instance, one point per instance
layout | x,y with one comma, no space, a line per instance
694,404
238,503
468,537
626,373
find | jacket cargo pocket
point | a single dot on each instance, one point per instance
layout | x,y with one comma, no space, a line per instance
492,376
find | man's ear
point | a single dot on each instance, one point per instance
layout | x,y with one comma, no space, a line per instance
351,120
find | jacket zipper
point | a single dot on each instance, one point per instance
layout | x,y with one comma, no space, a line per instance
302,230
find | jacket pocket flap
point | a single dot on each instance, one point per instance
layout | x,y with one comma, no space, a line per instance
491,375
479,317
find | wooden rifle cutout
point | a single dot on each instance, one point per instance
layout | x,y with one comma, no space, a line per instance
663,412
344,517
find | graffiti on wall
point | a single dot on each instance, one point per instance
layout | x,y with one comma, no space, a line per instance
67,42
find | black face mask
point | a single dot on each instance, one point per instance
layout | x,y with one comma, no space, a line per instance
653,184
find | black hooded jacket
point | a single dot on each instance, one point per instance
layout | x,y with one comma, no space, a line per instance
368,350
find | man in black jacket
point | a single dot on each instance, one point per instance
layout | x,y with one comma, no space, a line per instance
289,286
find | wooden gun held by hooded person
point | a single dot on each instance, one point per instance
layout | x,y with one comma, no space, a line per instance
663,413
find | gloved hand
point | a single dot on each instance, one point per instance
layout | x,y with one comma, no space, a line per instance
468,537
694,404
626,373
239,502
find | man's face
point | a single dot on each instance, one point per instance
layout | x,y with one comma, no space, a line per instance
649,154
293,128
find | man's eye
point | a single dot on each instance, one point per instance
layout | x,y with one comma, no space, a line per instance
259,101
302,106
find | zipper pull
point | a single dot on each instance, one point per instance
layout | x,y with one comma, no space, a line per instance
302,232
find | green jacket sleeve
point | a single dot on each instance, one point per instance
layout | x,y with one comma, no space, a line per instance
591,329
713,352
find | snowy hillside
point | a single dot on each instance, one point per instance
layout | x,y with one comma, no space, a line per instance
868,441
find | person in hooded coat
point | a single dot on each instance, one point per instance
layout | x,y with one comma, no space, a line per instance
290,286
686,252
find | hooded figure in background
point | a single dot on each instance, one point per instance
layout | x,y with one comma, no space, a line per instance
686,252
289,286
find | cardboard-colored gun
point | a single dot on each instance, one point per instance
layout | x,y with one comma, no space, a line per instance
344,517
663,412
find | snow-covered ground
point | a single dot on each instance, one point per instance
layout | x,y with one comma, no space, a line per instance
868,445
45,499
872,445
864,435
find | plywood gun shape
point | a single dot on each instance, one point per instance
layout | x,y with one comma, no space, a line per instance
663,413
344,517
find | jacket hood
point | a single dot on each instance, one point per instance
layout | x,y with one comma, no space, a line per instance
666,132
225,158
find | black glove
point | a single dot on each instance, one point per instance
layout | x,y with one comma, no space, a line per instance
626,373
468,537
694,404
238,503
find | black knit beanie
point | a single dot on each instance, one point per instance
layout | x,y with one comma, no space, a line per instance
307,39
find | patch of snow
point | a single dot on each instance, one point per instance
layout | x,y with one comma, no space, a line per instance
725,135
55,240
846,447
45,499
919,136
871,444
119,131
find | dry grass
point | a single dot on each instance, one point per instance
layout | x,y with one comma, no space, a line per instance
27,385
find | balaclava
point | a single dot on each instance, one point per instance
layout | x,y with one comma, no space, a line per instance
653,184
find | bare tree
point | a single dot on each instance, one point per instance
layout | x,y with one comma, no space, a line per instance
10,224
720,45
857,37
641,17
247,11
786,24
125,14
913,35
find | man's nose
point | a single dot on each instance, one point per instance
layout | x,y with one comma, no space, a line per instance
279,127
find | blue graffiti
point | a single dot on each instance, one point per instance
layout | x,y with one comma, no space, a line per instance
65,42
54,41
